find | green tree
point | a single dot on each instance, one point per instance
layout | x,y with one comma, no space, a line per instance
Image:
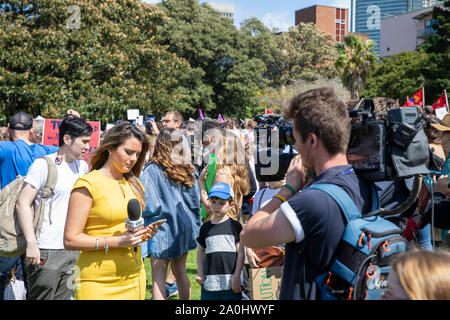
261,43
398,76
355,62
309,53
223,78
100,59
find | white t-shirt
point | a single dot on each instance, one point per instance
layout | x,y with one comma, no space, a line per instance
52,232
15,290
266,194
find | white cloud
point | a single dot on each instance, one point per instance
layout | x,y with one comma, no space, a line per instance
280,20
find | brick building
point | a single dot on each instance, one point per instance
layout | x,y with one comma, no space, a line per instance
331,20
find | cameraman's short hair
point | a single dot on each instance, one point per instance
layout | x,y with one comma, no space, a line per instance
73,126
321,112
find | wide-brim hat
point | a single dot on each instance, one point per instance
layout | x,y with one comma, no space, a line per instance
445,124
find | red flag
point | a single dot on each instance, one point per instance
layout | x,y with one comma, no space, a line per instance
440,103
417,99
408,103
269,111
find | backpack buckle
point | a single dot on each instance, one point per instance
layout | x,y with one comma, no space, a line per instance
386,247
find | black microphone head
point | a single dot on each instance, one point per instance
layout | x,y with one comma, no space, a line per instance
134,210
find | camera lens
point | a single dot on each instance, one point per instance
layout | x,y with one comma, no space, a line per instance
287,135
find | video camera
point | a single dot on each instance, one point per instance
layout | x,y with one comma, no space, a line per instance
274,147
383,147
390,146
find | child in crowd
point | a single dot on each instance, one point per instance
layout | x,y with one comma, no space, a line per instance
220,256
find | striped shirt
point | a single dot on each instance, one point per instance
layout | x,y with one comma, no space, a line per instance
219,241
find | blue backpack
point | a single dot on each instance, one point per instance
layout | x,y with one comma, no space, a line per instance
363,257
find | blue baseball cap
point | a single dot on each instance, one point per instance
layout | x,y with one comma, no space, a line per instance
221,191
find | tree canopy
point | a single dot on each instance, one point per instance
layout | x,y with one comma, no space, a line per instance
98,57
102,57
225,75
355,63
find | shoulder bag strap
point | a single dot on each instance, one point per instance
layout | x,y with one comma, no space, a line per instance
47,191
341,197
260,199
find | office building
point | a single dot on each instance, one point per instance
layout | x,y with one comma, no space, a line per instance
431,3
366,15
406,32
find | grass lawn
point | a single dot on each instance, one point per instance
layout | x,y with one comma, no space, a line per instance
191,267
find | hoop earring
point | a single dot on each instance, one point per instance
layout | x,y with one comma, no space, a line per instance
58,159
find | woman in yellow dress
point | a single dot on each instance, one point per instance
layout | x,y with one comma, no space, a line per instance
109,266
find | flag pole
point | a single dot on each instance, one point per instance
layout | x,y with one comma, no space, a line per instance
446,99
423,92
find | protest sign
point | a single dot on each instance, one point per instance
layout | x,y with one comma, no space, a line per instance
51,133
266,283
132,114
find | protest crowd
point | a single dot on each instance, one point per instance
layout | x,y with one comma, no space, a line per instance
173,186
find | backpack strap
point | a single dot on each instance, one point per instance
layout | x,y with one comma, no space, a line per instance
344,201
47,191
375,199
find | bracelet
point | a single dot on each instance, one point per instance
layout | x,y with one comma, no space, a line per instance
277,196
290,188
96,243
106,245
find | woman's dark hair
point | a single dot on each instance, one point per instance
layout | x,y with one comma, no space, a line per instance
74,127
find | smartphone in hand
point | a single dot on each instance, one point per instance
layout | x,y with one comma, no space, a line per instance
159,222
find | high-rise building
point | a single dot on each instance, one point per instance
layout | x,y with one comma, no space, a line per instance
226,10
430,3
366,15
331,20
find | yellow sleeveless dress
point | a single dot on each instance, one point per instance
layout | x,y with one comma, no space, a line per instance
119,274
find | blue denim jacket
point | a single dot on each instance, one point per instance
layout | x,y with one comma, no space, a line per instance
180,205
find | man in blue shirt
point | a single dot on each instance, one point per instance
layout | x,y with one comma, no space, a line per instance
311,217
16,157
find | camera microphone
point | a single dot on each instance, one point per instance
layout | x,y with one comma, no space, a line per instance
134,222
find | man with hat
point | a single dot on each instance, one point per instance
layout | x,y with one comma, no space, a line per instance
441,188
16,157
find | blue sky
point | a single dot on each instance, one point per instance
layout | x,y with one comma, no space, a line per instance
278,14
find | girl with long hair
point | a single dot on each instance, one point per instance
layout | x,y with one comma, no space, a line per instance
110,262
231,168
171,193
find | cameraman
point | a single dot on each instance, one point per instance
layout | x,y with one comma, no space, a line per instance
310,222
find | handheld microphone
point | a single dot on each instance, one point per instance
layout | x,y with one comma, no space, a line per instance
134,222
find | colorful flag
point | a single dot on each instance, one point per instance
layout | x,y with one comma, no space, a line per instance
440,103
201,114
221,118
408,103
418,98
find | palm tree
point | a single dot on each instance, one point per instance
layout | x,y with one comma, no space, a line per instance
355,62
